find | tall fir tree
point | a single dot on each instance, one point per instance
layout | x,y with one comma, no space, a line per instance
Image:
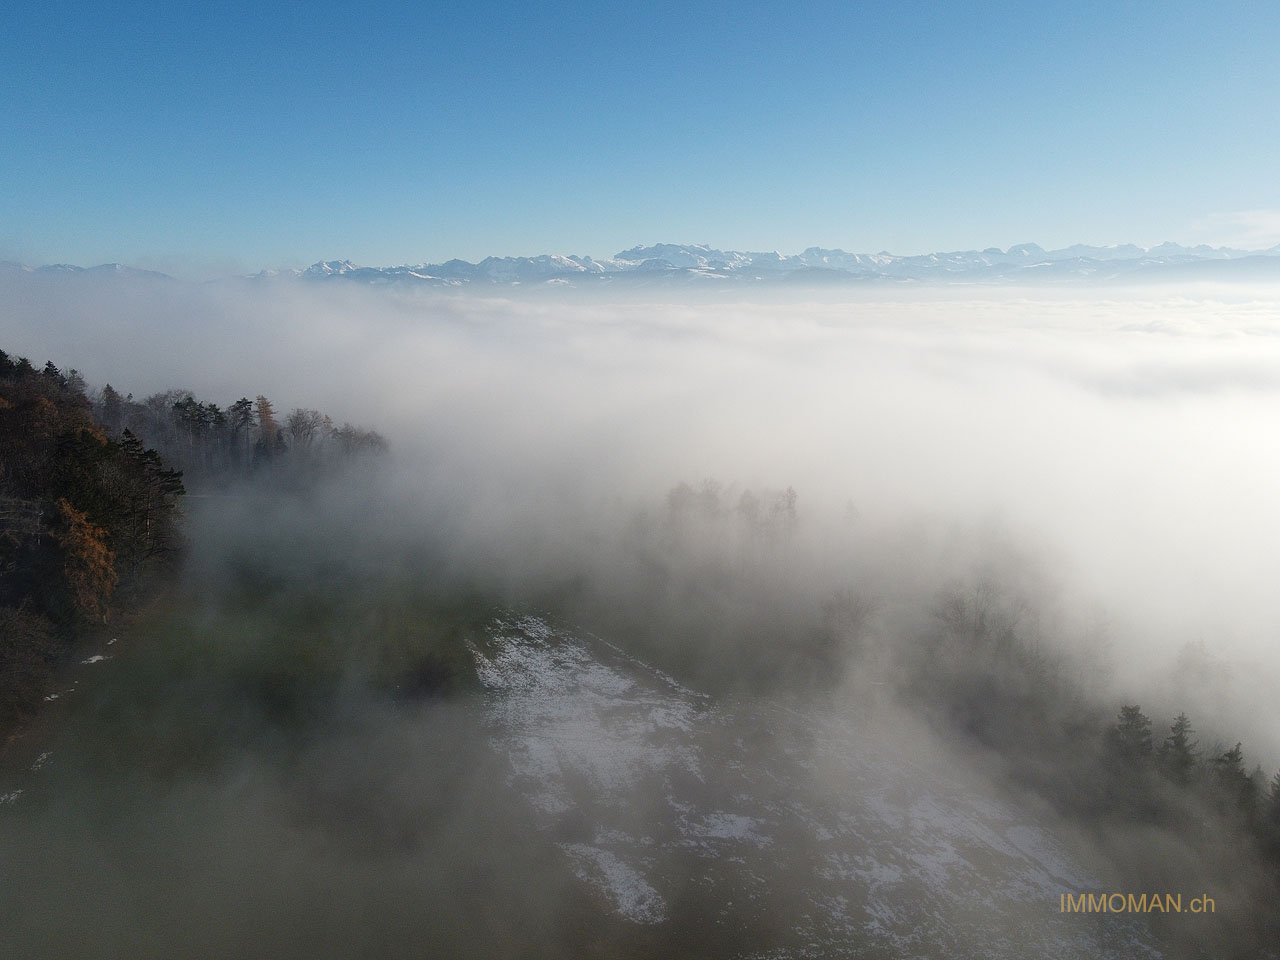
1179,753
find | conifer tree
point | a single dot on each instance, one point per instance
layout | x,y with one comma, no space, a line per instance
1271,813
1178,753
1235,787
240,421
1131,735
111,409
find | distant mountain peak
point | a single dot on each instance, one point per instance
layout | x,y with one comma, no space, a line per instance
329,268
1026,250
673,263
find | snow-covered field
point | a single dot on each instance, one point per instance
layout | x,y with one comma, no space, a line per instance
773,817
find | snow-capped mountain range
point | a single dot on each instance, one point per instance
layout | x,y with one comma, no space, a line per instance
674,263
667,263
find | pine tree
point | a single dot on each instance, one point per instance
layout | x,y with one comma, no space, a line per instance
148,494
240,421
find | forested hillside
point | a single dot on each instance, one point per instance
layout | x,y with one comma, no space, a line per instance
90,492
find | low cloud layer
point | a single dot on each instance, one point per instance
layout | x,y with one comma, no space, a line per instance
1094,473
1123,441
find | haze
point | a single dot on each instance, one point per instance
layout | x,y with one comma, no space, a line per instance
1122,440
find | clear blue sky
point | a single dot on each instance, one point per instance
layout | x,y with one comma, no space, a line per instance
223,136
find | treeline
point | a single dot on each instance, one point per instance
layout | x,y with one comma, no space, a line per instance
213,444
1168,813
978,670
1159,782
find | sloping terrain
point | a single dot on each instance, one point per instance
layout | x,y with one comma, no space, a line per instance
779,832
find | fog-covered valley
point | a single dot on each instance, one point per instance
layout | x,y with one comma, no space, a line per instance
784,626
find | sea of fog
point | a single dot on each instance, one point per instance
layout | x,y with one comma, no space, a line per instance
1121,442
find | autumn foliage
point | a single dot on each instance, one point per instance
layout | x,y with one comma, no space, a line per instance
88,564
85,518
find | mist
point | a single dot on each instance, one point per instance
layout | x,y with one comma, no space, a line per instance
1098,462
1123,437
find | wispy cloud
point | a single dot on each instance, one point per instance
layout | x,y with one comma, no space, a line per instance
1249,229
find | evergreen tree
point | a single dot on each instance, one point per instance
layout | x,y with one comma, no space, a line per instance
1271,817
53,374
1131,736
1235,787
240,421
188,416
111,410
1178,753
75,382
146,526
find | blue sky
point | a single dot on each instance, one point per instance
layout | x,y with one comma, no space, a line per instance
229,136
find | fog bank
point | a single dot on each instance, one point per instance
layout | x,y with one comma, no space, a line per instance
1121,441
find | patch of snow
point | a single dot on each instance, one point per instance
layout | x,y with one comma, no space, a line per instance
726,826
625,887
632,772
